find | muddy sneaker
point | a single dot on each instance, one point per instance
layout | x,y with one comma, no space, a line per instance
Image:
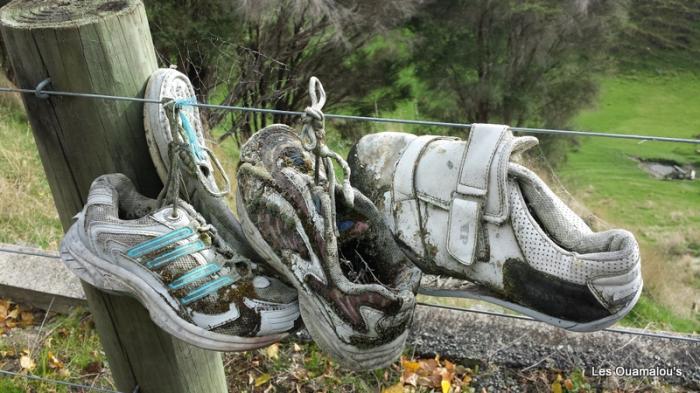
486,228
177,121
356,288
167,257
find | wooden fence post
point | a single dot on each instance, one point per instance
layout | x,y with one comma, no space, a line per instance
105,47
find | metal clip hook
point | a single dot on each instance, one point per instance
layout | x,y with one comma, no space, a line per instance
38,91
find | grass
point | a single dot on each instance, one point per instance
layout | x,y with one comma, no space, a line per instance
61,347
27,212
664,215
289,366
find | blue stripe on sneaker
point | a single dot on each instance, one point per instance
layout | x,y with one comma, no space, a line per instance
177,252
191,137
160,242
189,130
193,275
206,289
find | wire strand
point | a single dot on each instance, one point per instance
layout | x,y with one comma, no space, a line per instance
36,253
57,382
524,318
454,308
41,92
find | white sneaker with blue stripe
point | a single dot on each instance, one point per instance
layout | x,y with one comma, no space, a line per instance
179,122
166,256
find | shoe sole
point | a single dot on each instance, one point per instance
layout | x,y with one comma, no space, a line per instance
311,310
114,279
581,327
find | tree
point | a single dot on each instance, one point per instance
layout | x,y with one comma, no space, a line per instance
261,54
519,62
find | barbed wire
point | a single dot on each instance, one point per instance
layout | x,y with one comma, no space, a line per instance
41,92
57,382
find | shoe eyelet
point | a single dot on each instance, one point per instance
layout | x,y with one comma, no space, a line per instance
173,215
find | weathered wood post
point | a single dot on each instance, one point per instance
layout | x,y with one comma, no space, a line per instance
104,47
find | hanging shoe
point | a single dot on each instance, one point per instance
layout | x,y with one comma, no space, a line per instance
177,120
356,288
486,228
166,256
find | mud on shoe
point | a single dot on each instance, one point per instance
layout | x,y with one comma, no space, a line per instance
484,227
167,257
356,288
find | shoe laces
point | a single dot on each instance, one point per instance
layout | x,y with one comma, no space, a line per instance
313,138
186,151
195,153
170,196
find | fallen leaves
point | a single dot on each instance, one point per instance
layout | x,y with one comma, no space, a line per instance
432,373
13,315
66,347
54,362
26,362
568,384
556,385
262,379
273,351
57,365
94,367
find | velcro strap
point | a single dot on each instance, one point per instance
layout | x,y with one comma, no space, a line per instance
466,179
484,140
471,192
463,229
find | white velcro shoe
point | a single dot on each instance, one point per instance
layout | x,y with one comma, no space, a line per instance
483,227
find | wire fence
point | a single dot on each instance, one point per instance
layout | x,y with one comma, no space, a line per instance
71,385
454,308
662,335
41,92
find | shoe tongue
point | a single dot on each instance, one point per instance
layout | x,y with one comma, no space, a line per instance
523,143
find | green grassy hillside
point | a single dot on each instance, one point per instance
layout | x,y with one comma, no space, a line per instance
665,215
